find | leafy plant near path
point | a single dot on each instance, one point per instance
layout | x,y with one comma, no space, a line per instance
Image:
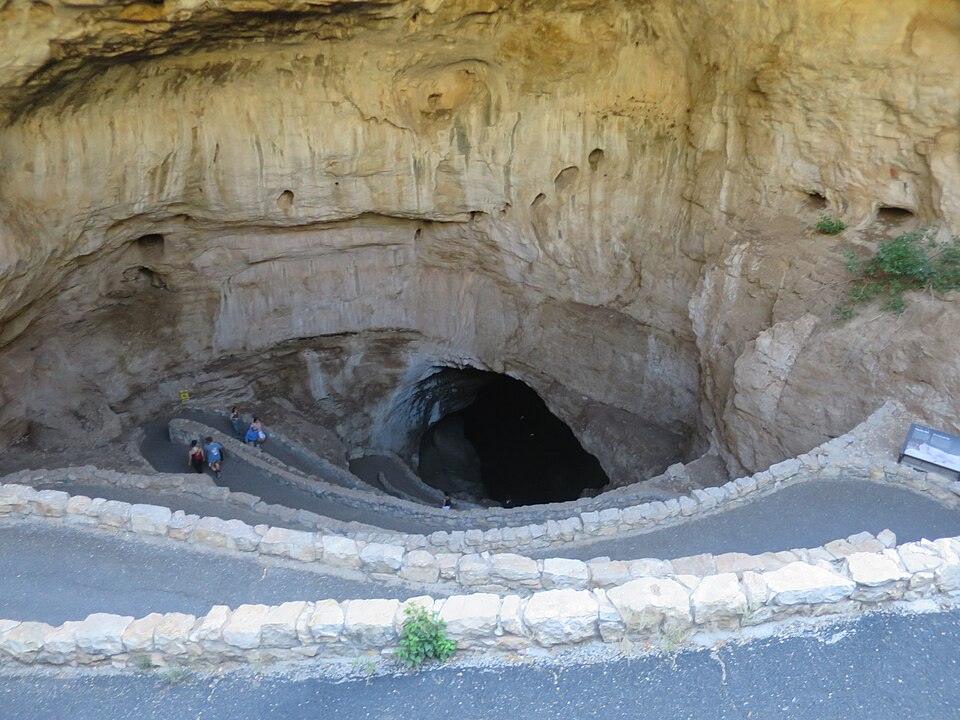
423,636
912,261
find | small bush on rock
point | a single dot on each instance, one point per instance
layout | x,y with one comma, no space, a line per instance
423,636
830,225
912,261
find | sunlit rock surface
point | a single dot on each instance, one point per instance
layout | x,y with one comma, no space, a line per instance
613,202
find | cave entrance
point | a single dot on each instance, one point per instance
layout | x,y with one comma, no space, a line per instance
496,439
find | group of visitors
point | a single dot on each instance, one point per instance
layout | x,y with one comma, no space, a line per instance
254,434
211,452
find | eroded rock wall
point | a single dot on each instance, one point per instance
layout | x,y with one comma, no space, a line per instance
609,201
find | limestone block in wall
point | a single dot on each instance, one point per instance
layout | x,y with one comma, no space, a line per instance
650,567
473,569
735,562
381,557
24,641
447,562
172,633
718,601
471,616
294,544
948,578
511,570
150,519
230,534
560,573
590,522
511,621
799,583
420,566
342,551
279,628
651,604
60,644
558,617
611,519
16,498
916,558
873,569
209,630
138,637
50,503
181,525
369,623
609,623
243,629
326,621
608,573
113,514
77,507
700,565
102,633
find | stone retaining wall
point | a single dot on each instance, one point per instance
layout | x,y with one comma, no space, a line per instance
200,485
656,611
423,566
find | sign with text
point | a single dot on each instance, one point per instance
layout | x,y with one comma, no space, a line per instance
932,446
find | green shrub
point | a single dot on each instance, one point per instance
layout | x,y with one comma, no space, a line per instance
912,261
830,225
423,636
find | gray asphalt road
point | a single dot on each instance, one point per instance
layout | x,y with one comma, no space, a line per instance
878,668
55,574
801,516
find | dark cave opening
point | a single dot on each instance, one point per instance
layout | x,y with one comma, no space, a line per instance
499,441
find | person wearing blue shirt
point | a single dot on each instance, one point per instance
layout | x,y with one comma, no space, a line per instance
214,453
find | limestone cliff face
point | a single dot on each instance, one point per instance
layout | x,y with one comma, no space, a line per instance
610,200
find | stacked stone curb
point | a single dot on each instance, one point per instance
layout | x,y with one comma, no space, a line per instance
921,576
177,484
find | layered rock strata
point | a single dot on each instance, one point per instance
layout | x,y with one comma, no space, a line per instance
326,202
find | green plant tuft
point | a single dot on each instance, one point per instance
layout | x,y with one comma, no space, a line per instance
830,225
423,636
912,261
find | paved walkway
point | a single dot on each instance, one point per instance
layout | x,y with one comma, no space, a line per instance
801,516
878,668
54,574
239,476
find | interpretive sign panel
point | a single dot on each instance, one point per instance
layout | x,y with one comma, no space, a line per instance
932,447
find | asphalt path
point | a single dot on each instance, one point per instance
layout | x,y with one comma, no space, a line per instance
879,667
53,574
806,515
240,476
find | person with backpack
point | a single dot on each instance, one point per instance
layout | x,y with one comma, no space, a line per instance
214,452
195,456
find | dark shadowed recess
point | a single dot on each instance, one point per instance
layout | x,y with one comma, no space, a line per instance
500,441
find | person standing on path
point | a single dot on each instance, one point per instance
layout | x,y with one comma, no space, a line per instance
256,428
195,456
236,422
214,453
